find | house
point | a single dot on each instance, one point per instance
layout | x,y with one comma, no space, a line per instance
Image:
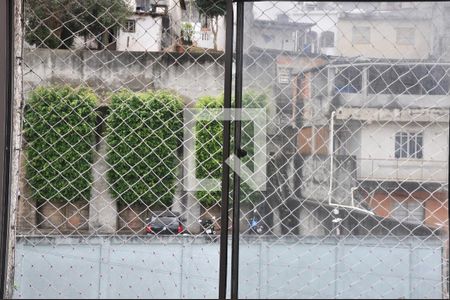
385,126
156,25
146,29
375,30
324,17
267,28
399,33
204,27
280,34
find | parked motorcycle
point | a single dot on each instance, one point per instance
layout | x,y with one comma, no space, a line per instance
208,225
255,225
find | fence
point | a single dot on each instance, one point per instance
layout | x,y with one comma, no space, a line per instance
340,148
181,268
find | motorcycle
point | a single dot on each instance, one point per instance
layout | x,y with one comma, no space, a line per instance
208,225
255,225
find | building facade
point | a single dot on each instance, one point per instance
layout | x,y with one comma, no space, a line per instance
389,141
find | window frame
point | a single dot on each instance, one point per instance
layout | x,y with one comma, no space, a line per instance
325,38
403,139
126,27
144,5
409,210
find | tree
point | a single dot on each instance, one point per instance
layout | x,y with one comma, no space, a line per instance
51,23
102,17
55,23
212,9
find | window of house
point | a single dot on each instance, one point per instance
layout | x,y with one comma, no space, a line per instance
205,36
405,36
327,39
408,145
311,42
143,5
361,35
411,211
130,26
283,75
348,80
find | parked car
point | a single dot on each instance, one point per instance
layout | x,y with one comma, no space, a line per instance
164,224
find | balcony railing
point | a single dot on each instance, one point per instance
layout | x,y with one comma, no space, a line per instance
406,169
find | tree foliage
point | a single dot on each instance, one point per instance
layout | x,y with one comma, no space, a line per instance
144,131
59,130
55,23
209,145
212,8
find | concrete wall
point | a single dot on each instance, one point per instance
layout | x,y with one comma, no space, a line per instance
189,74
187,267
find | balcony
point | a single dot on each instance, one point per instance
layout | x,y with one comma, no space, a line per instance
358,99
399,85
402,170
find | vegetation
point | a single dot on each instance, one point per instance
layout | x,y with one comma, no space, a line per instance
144,132
55,23
59,131
209,141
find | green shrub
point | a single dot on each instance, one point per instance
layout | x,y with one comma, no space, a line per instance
209,144
208,149
59,130
144,131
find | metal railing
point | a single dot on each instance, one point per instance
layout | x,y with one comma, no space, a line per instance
402,169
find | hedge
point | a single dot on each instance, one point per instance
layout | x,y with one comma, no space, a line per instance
209,141
208,149
144,131
59,132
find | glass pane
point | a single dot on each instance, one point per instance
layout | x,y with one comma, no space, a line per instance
345,197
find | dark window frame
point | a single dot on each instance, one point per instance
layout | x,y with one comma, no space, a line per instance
327,39
409,145
6,96
126,27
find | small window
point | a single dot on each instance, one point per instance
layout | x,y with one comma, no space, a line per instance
405,36
130,26
143,5
410,211
327,39
361,35
205,36
408,145
283,75
311,42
